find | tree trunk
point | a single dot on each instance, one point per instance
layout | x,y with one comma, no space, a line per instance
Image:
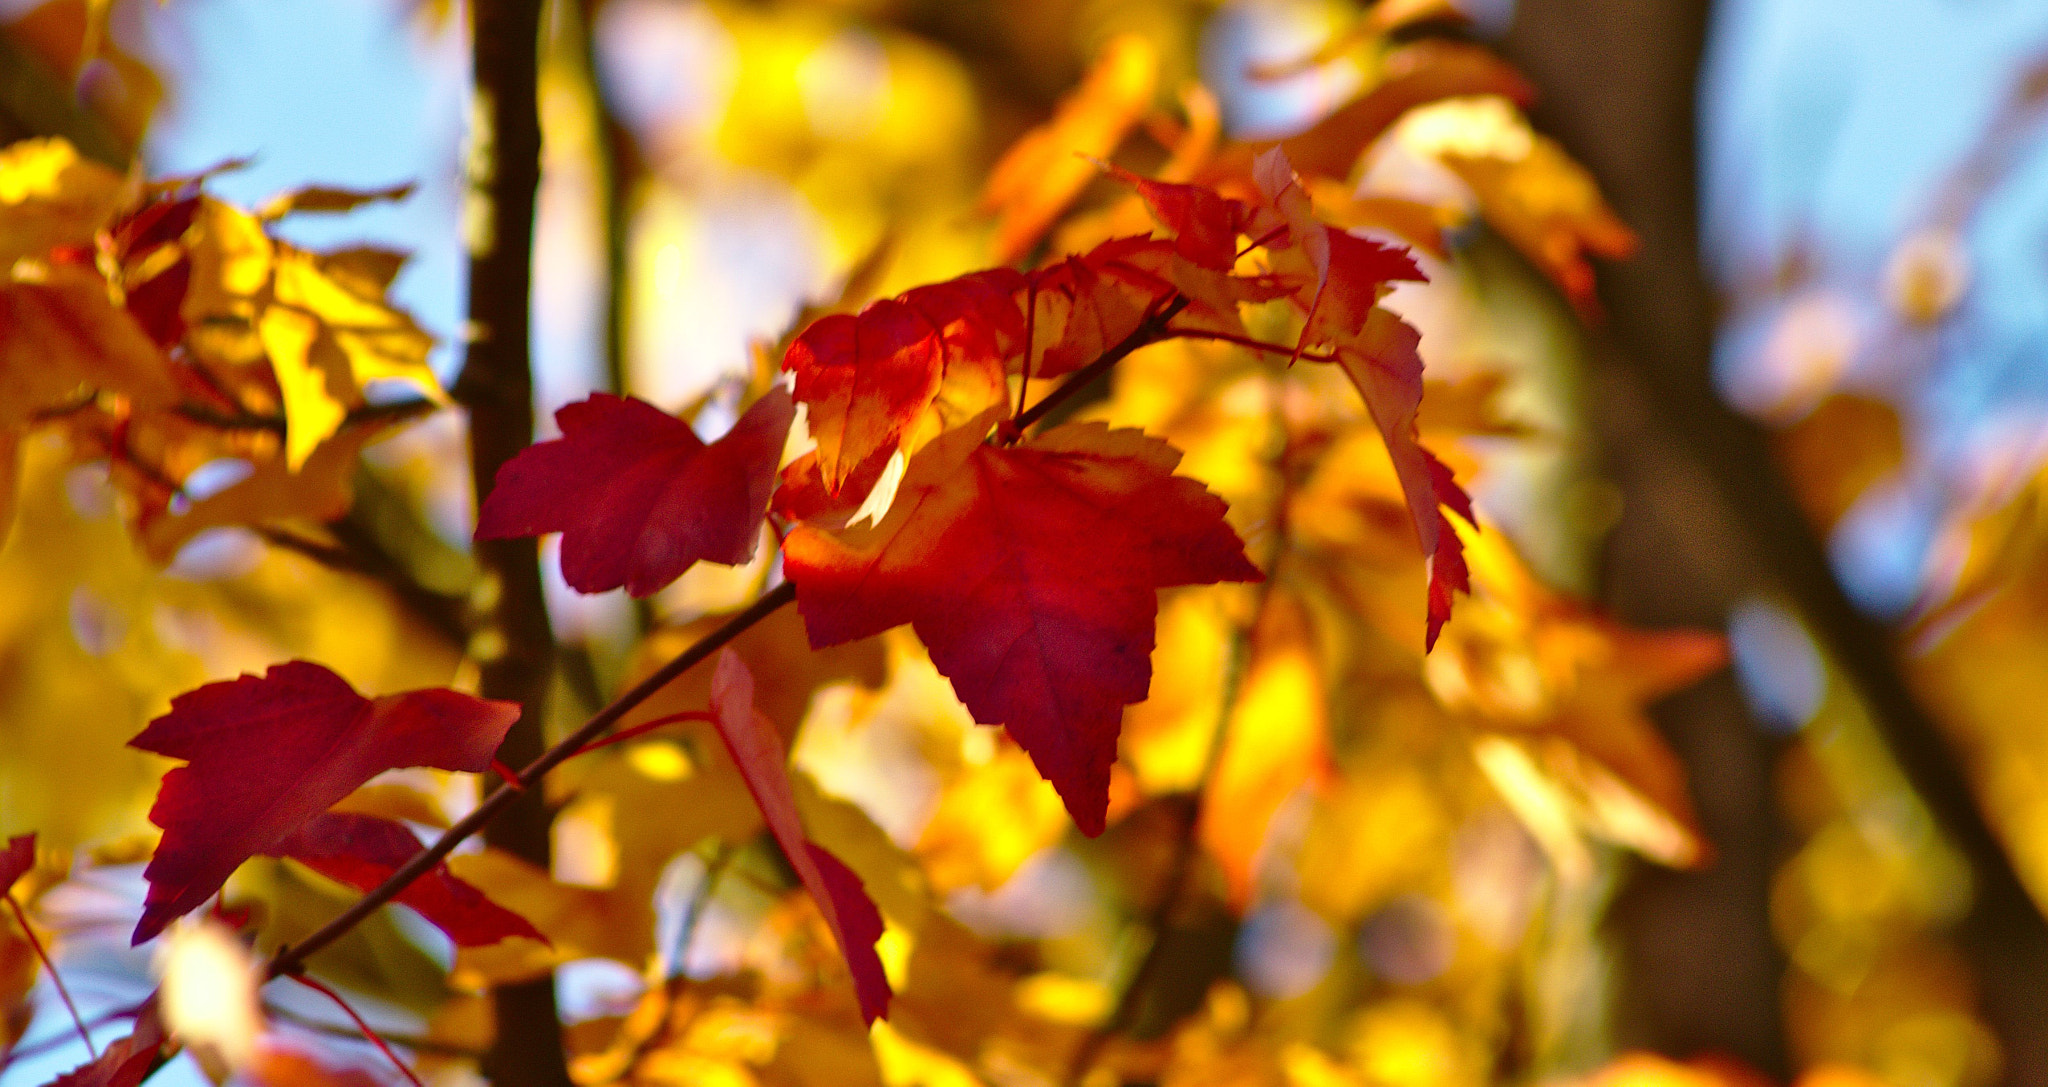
515,646
1711,520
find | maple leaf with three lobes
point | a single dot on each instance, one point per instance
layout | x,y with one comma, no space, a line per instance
1032,575
636,495
266,755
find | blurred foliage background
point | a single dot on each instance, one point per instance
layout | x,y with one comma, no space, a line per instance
1807,413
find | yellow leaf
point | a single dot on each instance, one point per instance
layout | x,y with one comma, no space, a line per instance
320,490
51,197
1551,209
1524,662
377,342
578,922
1277,741
315,397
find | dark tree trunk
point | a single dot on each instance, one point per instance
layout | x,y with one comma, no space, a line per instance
1710,521
515,646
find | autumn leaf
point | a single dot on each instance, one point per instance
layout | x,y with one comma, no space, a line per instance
326,198
60,332
1081,310
637,496
264,755
977,315
1562,692
1031,575
1088,304
363,850
1418,74
50,197
1348,275
757,751
1383,361
318,490
155,271
1042,173
864,378
127,1062
1205,223
1551,209
326,342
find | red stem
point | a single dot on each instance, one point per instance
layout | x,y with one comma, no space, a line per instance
368,1032
1246,341
56,979
644,728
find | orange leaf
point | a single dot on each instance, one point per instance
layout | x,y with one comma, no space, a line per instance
1427,71
1043,172
1382,361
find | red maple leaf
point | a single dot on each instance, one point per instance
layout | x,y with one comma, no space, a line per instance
757,750
977,315
865,377
1348,275
1205,223
1382,360
1031,574
127,1062
264,755
363,850
636,495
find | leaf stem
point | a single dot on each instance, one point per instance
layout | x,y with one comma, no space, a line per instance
1149,331
1247,342
56,979
362,1026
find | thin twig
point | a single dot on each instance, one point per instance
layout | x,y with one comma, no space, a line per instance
1247,342
646,727
30,1049
413,1042
56,979
362,1026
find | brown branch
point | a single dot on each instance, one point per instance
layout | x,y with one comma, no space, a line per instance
1149,331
